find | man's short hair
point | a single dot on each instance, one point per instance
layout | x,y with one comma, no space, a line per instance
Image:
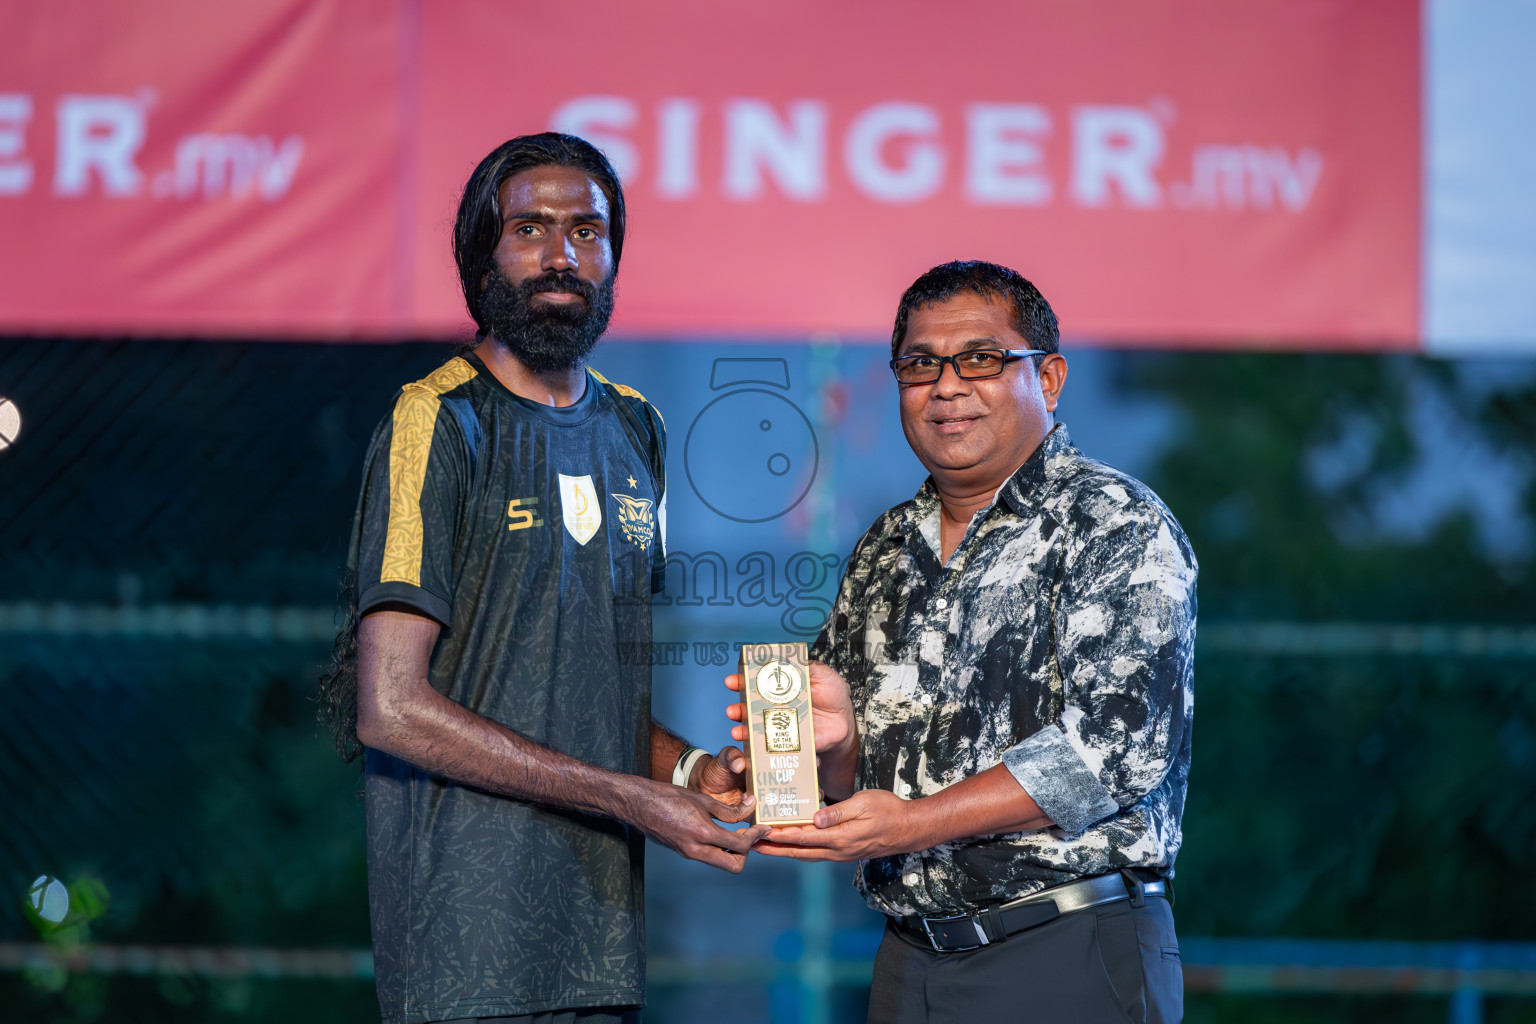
477,228
1033,318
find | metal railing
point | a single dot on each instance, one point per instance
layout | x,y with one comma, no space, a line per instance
302,624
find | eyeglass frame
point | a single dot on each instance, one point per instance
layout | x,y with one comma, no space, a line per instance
1008,353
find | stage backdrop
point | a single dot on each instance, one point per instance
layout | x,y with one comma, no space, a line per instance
1187,172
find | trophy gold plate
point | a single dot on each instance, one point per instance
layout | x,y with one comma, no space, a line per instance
781,747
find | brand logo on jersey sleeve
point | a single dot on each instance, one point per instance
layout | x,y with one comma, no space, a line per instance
637,520
579,507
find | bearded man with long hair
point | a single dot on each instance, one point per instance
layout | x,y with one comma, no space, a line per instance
509,535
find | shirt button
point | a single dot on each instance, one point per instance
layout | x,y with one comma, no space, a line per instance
906,789
942,603
927,698
911,878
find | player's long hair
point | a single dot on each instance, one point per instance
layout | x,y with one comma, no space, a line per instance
337,709
477,228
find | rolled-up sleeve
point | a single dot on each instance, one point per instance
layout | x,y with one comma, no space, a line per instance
1125,627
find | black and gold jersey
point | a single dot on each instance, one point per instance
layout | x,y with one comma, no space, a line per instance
535,536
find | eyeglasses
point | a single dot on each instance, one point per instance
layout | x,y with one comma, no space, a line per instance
973,364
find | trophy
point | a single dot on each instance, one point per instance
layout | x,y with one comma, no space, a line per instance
781,748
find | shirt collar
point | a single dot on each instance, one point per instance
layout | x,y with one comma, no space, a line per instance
1022,492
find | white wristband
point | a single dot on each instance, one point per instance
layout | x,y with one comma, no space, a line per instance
683,770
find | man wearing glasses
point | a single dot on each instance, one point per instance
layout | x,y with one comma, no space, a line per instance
1005,698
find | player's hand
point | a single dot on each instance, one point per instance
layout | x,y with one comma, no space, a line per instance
831,711
722,777
869,824
684,821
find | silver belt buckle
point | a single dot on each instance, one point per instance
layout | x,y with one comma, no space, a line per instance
929,922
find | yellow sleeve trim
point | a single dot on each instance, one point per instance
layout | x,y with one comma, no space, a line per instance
410,444
625,389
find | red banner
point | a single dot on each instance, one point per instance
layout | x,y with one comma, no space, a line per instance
188,168
1183,171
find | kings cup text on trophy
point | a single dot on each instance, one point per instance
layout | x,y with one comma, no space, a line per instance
781,748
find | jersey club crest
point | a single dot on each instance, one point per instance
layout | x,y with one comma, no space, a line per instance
579,507
636,520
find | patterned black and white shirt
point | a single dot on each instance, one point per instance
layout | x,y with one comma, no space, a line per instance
1058,640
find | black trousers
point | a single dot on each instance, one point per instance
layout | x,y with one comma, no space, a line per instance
1114,963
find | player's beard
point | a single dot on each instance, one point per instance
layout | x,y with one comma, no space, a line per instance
546,337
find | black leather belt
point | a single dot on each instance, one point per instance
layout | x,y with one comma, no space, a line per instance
972,931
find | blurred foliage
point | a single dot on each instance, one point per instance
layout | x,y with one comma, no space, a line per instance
1367,797
1351,797
1282,466
178,999
85,900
